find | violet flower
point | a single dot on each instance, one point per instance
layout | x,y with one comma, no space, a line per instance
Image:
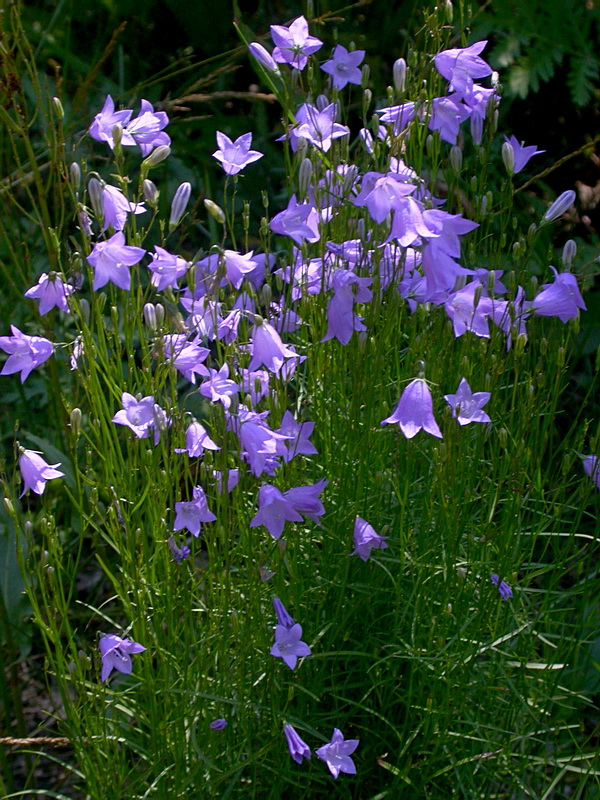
137,415
299,221
344,66
219,387
298,748
35,471
196,441
521,154
146,130
366,539
305,499
116,206
288,644
562,203
111,259
234,156
102,126
283,618
560,299
264,58
52,292
467,405
298,434
461,65
337,754
25,353
218,724
166,269
116,654
179,553
415,411
267,348
294,44
503,587
191,514
591,465
274,511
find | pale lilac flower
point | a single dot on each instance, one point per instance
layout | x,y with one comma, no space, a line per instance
283,618
469,310
187,357
25,353
256,384
233,478
382,194
415,411
366,539
197,441
267,348
179,553
260,445
111,260
298,749
294,44
320,128
503,587
337,754
146,130
400,115
591,465
521,153
298,434
218,724
288,644
344,66
467,405
191,514
562,203
52,292
116,654
234,156
305,500
138,415
560,299
299,221
116,206
274,511
460,66
264,58
447,114
35,471
219,387
166,269
102,126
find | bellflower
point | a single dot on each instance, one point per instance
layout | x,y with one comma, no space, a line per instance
298,434
415,411
187,357
138,415
191,514
299,221
469,311
116,654
382,193
399,116
234,156
111,259
337,754
264,58
288,644
503,587
305,500
274,511
562,203
294,44
52,292
341,319
179,204
116,206
320,127
461,65
218,387
344,66
366,539
447,114
256,384
25,353
146,130
218,724
521,153
166,269
283,618
102,126
467,405
560,299
591,465
179,553
261,445
35,471
267,348
197,441
298,749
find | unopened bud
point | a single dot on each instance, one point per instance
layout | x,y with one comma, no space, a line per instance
84,307
569,252
456,158
117,134
151,193
508,157
399,75
58,108
321,102
159,310
215,211
520,344
449,10
75,175
532,233
179,204
483,205
96,197
429,144
304,177
264,58
149,312
476,129
350,179
156,156
301,147
75,420
366,100
503,437
266,295
562,203
9,506
365,74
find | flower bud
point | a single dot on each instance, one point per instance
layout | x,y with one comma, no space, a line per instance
156,156
150,316
84,307
75,175
264,58
569,252
366,100
503,437
301,146
58,108
350,179
532,233
476,129
321,102
159,310
449,10
9,506
179,204
399,75
75,420
266,295
215,211
304,177
508,157
562,203
117,134
151,193
96,197
456,158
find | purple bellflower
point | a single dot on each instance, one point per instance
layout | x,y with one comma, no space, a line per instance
366,539
264,58
197,441
102,126
415,411
116,207
503,587
138,415
298,748
267,348
25,353
299,221
191,514
52,292
298,434
294,44
187,357
562,204
218,724
448,113
234,156
591,465
116,654
111,260
560,299
283,618
179,553
337,754
467,405
146,130
274,510
522,154
35,471
219,387
166,269
305,499
288,644
319,127
460,66
344,66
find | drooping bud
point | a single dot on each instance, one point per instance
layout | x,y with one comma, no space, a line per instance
456,158
508,157
215,211
399,75
179,204
75,175
562,203
151,192
156,156
569,252
96,197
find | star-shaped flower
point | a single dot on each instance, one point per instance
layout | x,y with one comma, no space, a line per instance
234,156
337,754
467,405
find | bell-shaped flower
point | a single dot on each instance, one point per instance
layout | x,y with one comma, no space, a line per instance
116,654
35,471
415,411
560,299
166,269
52,292
591,465
294,43
219,388
299,221
297,747
146,130
104,122
460,66
274,511
197,441
25,353
336,754
116,207
267,348
467,405
305,499
521,153
234,156
366,539
191,514
344,67
298,434
111,260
